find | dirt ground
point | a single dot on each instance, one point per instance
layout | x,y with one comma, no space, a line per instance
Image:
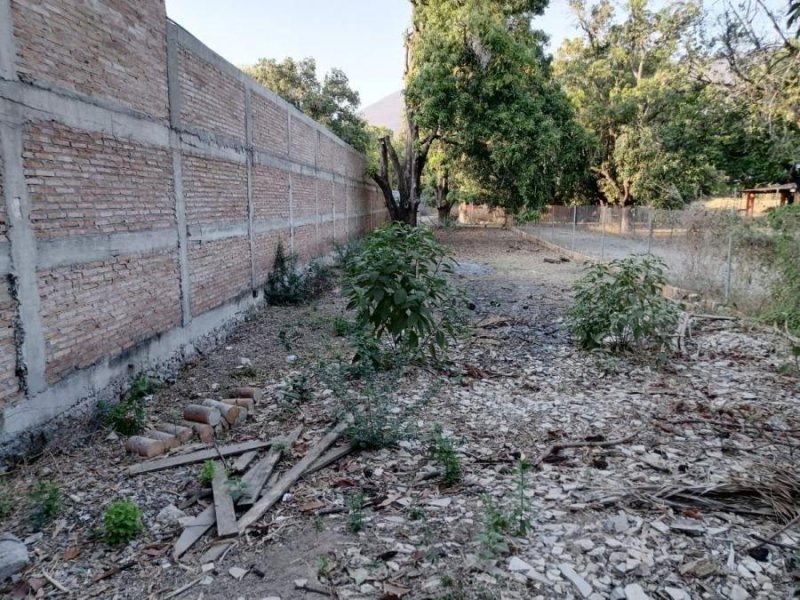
604,520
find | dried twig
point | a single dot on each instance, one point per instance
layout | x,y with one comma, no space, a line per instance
183,588
55,582
556,448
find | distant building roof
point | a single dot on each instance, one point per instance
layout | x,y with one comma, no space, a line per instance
773,189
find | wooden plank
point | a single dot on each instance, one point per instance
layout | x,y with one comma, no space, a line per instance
193,530
284,483
328,459
256,477
185,459
244,461
223,504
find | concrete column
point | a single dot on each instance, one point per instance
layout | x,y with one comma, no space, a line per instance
31,360
248,134
8,51
174,95
291,201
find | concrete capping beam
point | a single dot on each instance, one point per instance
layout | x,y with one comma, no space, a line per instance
266,225
23,253
218,231
67,251
8,49
38,103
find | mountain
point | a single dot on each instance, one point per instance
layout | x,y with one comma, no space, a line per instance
386,112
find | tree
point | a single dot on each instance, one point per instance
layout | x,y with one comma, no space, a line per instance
478,83
631,90
332,102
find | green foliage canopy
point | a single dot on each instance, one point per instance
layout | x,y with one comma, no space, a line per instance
331,101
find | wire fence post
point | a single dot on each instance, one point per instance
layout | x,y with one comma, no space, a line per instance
574,224
602,231
729,271
649,230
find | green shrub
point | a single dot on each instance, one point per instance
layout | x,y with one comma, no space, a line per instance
398,287
287,284
122,522
619,304
45,503
127,417
784,305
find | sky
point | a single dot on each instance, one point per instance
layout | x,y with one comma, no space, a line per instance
364,38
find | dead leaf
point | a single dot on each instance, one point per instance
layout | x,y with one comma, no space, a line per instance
392,591
71,552
312,505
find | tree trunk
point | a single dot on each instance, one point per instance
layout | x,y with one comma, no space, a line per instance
403,205
443,204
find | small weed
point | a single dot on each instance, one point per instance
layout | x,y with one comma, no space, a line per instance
443,451
324,566
5,500
141,388
282,447
237,488
45,503
122,521
520,514
284,340
207,472
447,581
342,327
295,391
319,524
355,505
496,524
415,512
126,417
247,372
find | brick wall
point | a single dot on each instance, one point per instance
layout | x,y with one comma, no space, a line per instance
115,53
141,171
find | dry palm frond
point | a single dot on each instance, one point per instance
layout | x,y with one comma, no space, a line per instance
769,491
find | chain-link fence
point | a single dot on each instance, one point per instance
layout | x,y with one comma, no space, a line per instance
703,249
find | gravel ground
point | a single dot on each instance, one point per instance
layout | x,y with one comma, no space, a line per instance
601,520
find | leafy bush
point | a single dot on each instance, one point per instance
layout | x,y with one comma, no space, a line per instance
398,287
784,306
287,284
619,304
122,522
45,503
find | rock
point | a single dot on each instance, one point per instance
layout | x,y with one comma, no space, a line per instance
585,544
618,524
13,556
700,568
688,526
676,594
579,582
237,573
633,591
517,565
170,515
292,358
738,593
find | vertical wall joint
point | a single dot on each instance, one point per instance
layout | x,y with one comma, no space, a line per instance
248,134
174,95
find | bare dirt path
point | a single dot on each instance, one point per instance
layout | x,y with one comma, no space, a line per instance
591,522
